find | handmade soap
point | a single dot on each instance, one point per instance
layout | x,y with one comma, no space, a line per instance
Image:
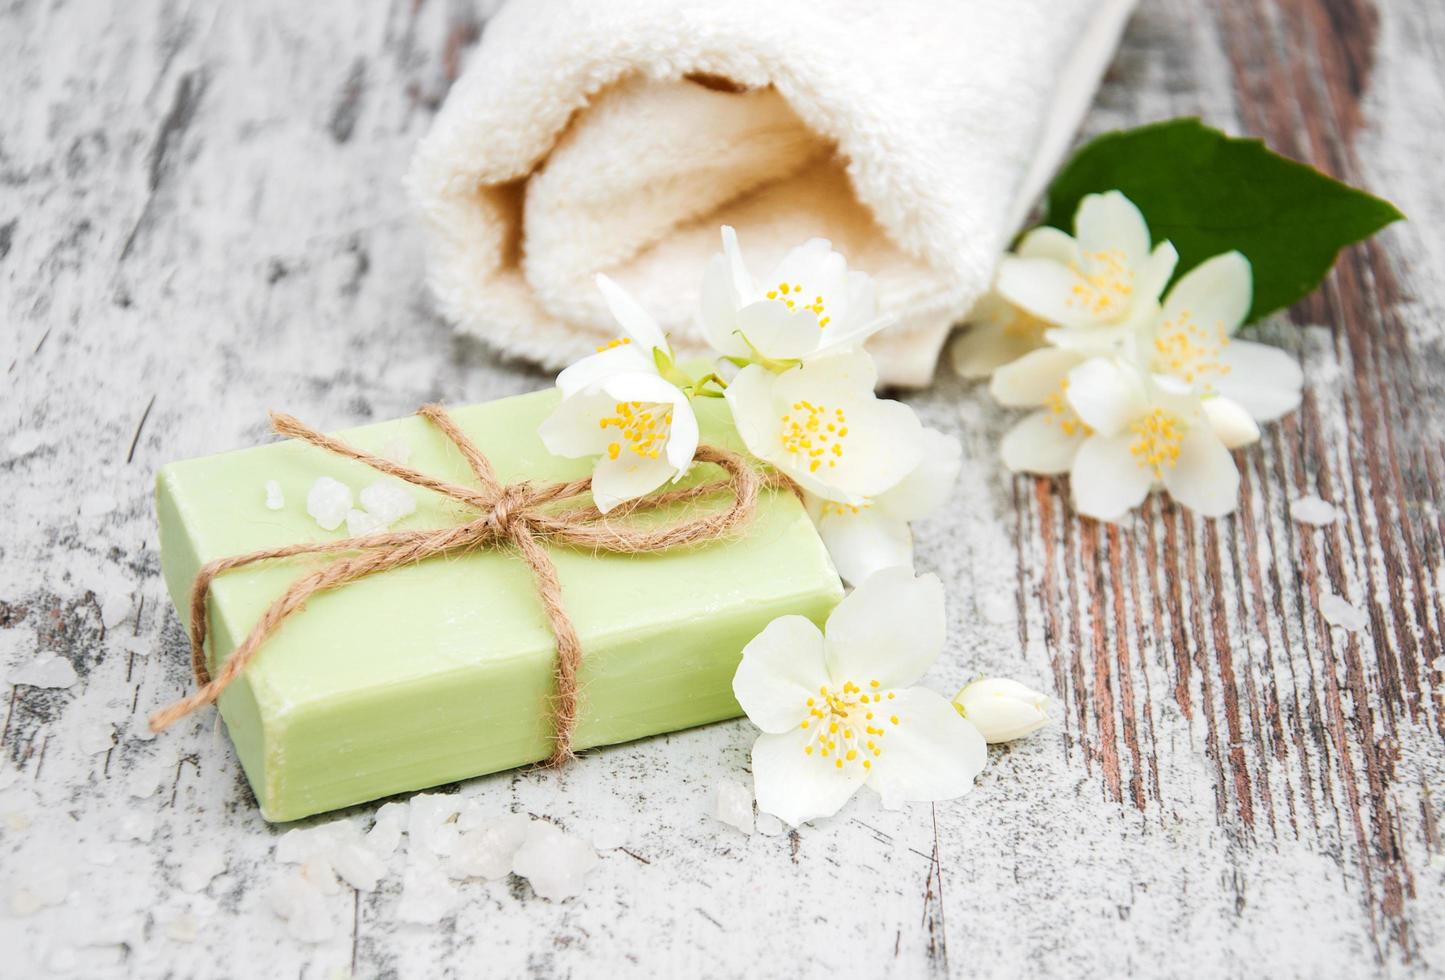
443,670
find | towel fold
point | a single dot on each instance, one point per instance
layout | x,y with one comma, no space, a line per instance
616,137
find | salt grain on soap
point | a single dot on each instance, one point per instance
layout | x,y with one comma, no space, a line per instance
388,501
487,851
359,522
114,610
275,499
733,805
1338,612
328,501
1313,511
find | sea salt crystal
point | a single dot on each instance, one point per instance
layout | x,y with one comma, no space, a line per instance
359,522
319,872
96,737
46,671
1313,511
183,928
200,868
275,499
487,851
770,825
97,504
136,825
358,865
388,501
24,443
45,886
298,902
143,783
328,501
385,834
553,861
429,828
1338,612
16,821
733,805
427,895
397,449
304,843
100,855
114,610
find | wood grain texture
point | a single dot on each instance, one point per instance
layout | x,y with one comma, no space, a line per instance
201,218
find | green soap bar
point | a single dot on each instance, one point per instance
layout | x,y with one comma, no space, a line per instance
443,670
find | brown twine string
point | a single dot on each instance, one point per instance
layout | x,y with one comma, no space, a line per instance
511,514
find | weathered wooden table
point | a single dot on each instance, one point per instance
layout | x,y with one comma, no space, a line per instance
201,218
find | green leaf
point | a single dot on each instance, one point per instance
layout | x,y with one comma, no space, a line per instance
1208,193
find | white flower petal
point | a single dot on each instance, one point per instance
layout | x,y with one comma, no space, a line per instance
1106,480
1230,422
778,332
1034,378
750,396
636,322
627,477
983,348
932,481
818,269
1044,288
1264,379
622,359
932,753
1039,444
884,445
781,668
1153,273
1215,293
1106,393
798,787
1204,478
1111,222
572,430
890,629
718,309
742,282
1045,242
864,541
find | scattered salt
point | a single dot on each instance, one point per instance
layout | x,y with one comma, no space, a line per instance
429,828
143,783
397,449
427,896
100,855
62,959
328,502
96,737
184,928
1313,511
553,861
136,825
1338,612
385,834
97,504
770,825
301,904
45,886
16,821
388,501
733,805
47,671
487,851
114,610
359,522
24,443
358,865
275,499
319,872
609,834
304,843
199,869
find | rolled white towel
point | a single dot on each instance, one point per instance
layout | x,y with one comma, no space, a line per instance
616,137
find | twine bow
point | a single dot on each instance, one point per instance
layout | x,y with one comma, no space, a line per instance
517,514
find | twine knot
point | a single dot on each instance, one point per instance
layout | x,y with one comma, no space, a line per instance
518,515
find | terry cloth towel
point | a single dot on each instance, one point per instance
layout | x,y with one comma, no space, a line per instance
617,137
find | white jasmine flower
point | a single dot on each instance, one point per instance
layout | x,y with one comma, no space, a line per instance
1002,710
1149,431
1000,331
1193,341
1102,279
839,711
867,537
822,425
809,306
640,426
642,347
1046,440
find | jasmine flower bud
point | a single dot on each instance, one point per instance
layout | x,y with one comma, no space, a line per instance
1002,710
